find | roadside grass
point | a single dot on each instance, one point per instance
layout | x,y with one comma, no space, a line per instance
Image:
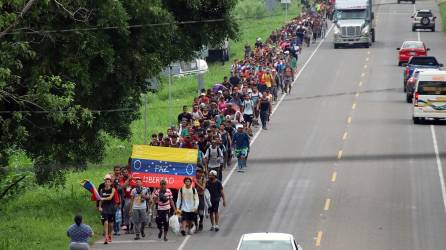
442,7
38,218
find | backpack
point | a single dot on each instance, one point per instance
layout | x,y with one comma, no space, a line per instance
218,152
181,193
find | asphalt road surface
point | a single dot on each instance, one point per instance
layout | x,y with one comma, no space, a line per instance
342,167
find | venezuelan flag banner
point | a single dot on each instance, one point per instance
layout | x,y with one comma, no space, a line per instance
152,164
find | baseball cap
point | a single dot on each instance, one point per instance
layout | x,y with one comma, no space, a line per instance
213,172
107,176
238,126
187,178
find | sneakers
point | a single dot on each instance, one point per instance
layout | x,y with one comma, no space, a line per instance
160,234
217,228
109,239
200,227
137,237
183,232
212,228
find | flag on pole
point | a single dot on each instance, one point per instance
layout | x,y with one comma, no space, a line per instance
92,189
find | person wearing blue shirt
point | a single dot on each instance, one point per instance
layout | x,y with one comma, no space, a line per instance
79,234
241,144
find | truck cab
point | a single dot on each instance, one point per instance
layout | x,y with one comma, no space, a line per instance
354,23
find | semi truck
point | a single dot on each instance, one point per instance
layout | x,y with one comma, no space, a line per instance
354,23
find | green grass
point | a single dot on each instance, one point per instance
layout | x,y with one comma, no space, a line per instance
38,219
442,7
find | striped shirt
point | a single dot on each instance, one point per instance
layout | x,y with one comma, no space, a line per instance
163,205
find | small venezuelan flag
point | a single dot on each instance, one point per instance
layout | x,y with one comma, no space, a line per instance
92,189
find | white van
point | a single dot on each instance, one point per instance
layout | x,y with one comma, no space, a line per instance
429,98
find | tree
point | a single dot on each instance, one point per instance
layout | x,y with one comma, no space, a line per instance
72,71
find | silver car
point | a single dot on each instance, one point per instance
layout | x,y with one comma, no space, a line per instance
268,241
423,19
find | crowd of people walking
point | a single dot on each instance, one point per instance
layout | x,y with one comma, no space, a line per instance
220,125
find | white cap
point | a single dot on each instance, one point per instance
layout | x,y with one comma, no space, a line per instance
238,126
213,172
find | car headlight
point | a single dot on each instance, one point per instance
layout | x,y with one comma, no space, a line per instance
337,30
365,30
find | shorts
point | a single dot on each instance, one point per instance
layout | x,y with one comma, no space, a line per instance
107,217
248,118
188,216
214,206
201,204
162,220
241,152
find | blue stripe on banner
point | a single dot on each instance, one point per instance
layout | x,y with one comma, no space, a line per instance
163,167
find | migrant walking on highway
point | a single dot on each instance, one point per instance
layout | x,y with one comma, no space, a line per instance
163,199
187,206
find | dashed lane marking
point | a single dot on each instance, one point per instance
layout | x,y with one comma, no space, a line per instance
327,204
319,238
339,154
333,176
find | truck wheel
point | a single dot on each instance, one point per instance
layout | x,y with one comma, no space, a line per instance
414,29
373,36
367,45
336,46
408,98
416,120
399,1
433,29
413,1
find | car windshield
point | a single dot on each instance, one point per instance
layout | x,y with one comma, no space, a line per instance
412,45
424,14
432,88
266,245
423,60
351,14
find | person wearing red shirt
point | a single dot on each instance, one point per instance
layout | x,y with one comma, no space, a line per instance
127,183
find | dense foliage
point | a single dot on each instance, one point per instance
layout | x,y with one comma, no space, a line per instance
72,71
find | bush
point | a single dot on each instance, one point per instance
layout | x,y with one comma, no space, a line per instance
442,6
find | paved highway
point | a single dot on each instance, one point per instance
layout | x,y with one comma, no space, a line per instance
342,167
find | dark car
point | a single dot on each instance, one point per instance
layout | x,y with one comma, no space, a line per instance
419,62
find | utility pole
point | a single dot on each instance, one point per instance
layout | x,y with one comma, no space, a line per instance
145,118
170,94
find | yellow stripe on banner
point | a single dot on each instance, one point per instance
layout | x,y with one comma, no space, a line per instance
181,155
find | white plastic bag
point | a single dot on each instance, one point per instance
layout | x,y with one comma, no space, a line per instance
174,224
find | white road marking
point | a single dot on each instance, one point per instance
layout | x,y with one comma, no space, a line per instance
418,33
440,170
437,155
186,239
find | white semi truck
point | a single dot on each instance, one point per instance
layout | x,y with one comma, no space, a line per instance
354,23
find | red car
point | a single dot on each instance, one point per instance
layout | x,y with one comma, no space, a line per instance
409,49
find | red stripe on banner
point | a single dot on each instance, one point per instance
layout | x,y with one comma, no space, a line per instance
153,180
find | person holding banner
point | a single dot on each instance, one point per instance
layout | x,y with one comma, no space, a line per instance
187,205
140,195
163,198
